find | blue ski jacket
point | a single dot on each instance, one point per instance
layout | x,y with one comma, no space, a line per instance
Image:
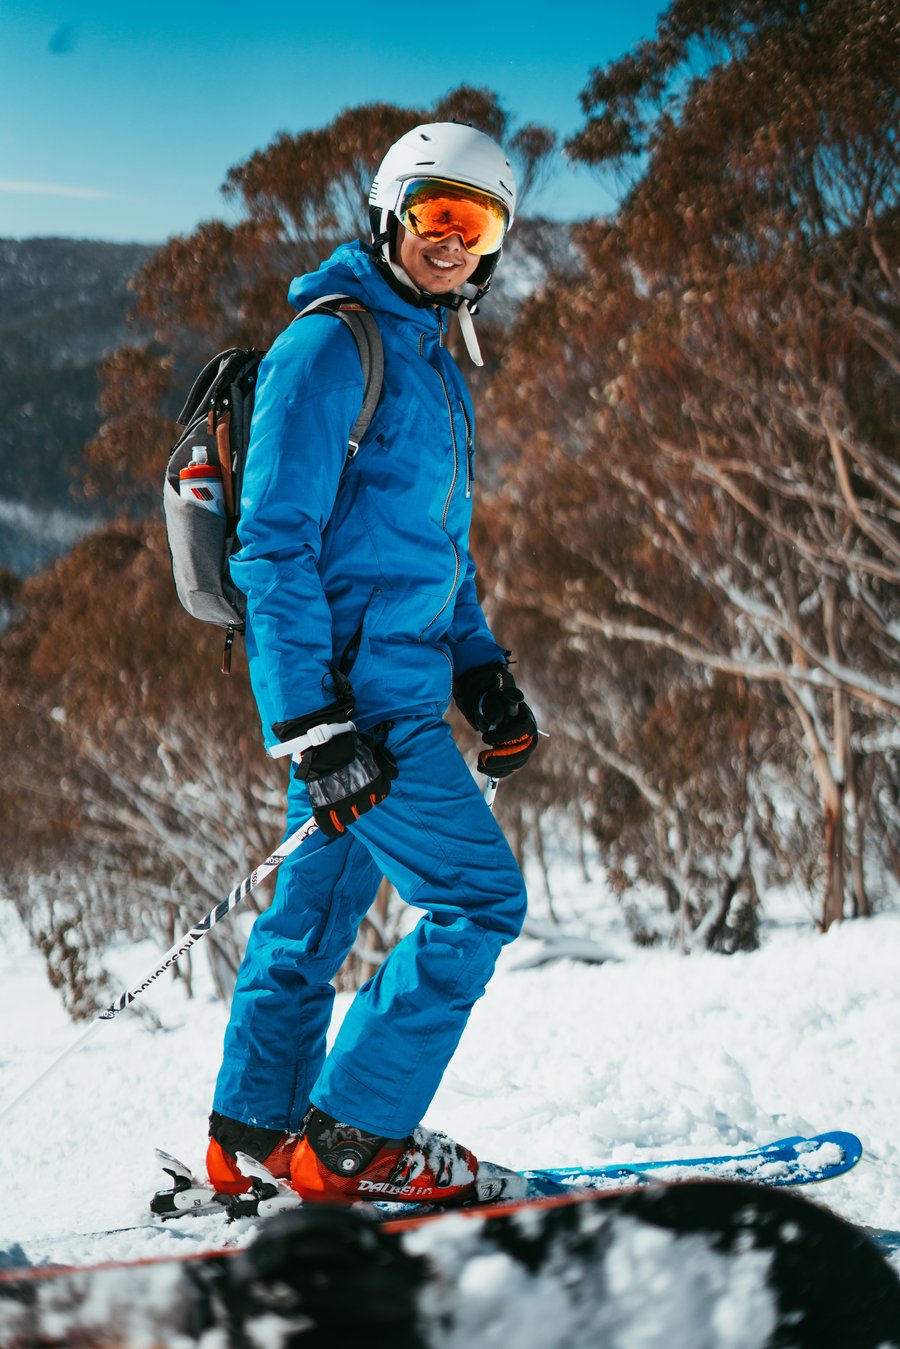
361,566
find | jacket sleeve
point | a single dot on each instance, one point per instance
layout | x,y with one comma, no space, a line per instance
469,637
308,398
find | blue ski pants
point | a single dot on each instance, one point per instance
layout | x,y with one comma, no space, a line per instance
440,846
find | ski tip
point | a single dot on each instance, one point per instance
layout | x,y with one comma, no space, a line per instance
849,1144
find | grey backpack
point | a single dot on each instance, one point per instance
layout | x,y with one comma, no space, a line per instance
201,526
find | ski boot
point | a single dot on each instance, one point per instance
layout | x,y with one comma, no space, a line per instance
338,1163
228,1137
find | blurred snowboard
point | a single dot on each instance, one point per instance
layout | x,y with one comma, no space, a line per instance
707,1264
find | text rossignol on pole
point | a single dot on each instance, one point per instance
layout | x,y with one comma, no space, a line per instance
178,949
222,910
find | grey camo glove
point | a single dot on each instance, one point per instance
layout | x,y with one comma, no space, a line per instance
345,778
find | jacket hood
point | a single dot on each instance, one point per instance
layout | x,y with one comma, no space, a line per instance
351,271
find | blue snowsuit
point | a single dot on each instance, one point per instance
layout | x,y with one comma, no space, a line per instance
364,567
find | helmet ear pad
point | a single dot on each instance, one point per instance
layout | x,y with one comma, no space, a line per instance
485,269
393,232
386,229
380,225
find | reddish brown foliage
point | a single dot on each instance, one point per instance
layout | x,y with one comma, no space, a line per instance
703,472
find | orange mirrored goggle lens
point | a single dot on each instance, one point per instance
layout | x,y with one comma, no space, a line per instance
432,209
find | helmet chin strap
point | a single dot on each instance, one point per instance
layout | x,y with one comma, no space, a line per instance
403,276
467,328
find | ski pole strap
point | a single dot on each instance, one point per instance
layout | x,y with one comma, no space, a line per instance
311,739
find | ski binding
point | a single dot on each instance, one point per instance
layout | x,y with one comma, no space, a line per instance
187,1194
494,1183
269,1194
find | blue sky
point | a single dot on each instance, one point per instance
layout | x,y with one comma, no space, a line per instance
120,121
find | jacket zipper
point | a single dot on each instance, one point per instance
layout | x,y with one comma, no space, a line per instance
470,450
456,559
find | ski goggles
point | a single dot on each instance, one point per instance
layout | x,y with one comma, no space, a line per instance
434,208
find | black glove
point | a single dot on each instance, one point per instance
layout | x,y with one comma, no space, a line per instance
346,776
490,701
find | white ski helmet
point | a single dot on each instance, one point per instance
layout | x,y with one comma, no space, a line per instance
451,151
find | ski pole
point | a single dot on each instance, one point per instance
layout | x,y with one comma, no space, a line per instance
222,909
196,933
175,952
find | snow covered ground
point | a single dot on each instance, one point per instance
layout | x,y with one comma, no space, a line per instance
649,1054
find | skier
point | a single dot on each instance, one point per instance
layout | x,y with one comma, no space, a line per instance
362,620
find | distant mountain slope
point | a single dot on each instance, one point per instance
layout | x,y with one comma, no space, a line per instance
63,308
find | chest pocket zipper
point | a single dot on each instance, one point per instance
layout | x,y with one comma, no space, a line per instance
449,498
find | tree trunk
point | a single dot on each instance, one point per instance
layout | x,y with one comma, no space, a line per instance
716,929
542,862
846,846
859,809
582,849
833,897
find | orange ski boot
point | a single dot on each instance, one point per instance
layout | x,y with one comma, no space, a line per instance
339,1163
228,1137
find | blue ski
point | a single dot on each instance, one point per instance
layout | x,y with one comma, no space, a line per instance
787,1161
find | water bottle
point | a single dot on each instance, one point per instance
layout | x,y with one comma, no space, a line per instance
201,482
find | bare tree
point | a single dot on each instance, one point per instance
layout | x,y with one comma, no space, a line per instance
713,406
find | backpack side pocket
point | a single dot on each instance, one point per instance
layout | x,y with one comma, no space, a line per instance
199,548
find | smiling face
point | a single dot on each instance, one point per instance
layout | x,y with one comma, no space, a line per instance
436,267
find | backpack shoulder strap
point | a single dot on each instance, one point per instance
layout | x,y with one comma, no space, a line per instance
364,327
217,371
